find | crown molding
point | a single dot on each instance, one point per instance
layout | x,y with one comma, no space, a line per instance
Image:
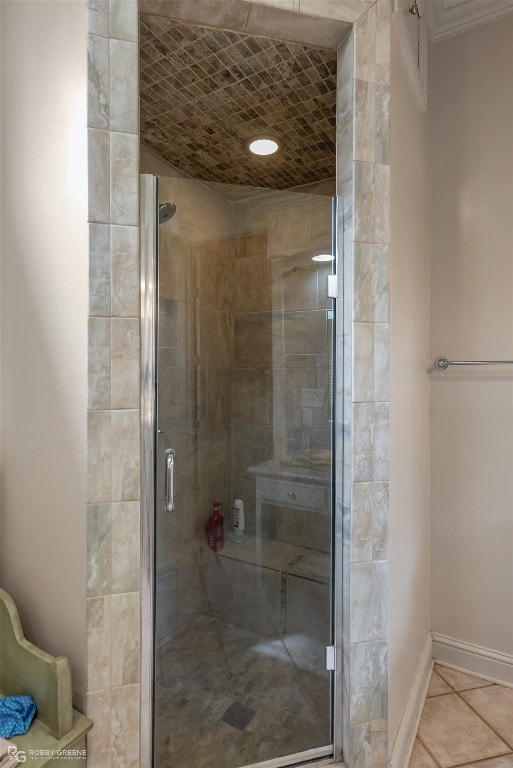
447,19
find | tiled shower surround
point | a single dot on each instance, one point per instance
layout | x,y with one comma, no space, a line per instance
362,436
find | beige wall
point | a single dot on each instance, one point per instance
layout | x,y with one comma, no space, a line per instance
471,109
409,392
43,319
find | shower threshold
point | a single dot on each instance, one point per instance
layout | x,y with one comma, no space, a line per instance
299,758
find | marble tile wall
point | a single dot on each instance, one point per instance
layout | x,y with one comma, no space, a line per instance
300,227
343,10
112,596
195,348
113,512
363,236
282,335
252,375
196,352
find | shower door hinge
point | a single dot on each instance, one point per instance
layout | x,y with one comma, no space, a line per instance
330,658
332,289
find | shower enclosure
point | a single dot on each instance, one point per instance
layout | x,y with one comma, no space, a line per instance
238,631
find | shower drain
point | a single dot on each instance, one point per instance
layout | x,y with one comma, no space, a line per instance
238,715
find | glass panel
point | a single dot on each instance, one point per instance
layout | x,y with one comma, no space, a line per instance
243,604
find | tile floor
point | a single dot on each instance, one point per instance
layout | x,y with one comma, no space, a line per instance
466,721
227,696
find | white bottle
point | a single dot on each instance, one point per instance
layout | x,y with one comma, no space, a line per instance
238,520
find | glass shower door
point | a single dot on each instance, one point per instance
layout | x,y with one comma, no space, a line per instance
244,350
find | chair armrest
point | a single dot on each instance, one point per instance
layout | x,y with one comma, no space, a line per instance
26,669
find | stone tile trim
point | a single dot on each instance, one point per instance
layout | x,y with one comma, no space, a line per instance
113,512
365,239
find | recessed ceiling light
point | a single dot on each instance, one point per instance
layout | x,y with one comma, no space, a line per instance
323,257
263,145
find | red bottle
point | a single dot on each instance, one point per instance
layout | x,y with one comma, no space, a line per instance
214,528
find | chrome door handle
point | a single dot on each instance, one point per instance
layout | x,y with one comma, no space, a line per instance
170,480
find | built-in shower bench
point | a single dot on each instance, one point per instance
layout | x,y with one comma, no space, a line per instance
278,556
272,587
57,735
279,579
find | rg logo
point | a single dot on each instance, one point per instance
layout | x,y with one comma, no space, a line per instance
20,756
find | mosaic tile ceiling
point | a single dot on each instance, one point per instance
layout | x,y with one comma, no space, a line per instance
205,92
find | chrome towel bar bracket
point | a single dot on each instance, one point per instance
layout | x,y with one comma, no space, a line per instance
443,363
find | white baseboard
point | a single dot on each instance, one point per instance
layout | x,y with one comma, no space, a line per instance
409,724
458,654
474,659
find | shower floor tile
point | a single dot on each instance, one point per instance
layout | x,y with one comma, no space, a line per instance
209,665
466,722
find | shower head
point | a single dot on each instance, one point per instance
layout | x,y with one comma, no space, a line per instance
166,212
